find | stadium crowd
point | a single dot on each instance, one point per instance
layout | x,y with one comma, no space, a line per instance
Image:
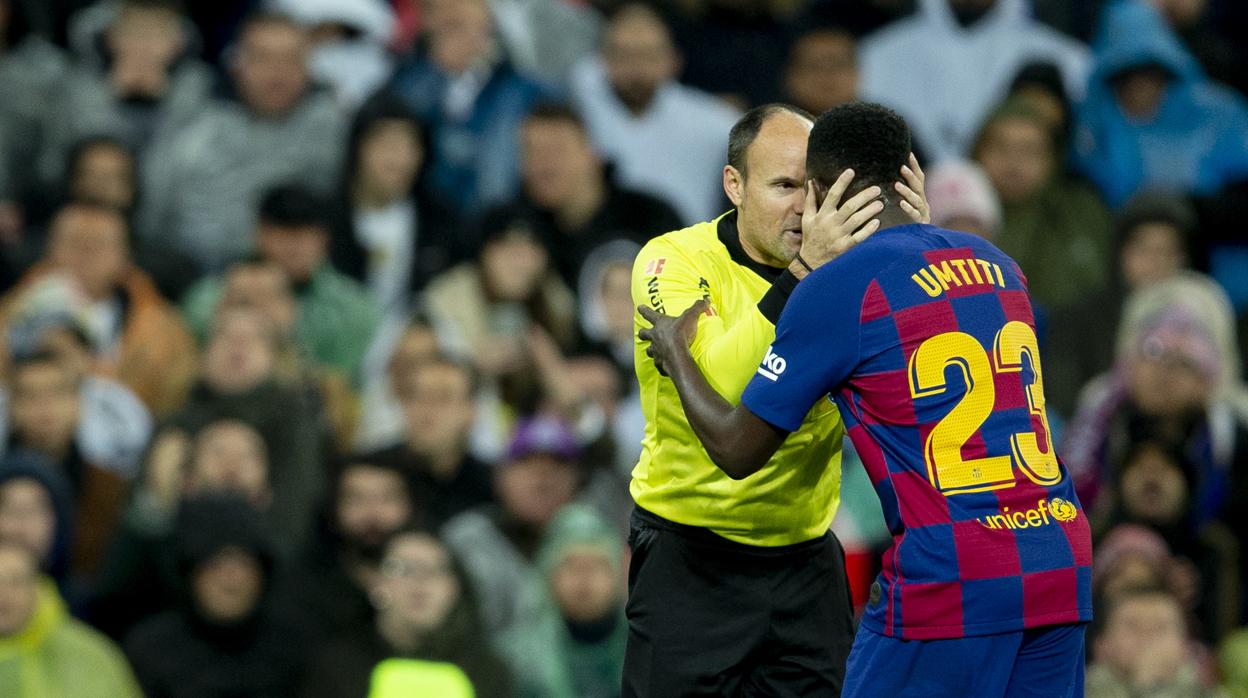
317,337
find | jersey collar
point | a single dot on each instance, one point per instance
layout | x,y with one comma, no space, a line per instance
728,234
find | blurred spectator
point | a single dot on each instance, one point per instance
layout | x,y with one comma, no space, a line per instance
578,204
1153,487
1132,556
1233,663
499,544
386,234
944,68
1039,86
46,411
113,427
371,499
1176,378
139,338
48,653
137,78
822,70
381,415
1142,649
37,512
1198,24
427,639
545,38
578,648
485,309
336,318
962,198
1152,235
31,70
228,635
240,380
605,302
473,100
734,49
349,40
666,139
1151,117
1055,228
201,185
102,169
438,397
139,577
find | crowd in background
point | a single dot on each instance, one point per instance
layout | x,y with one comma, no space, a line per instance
317,334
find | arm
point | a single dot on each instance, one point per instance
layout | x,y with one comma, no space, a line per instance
738,441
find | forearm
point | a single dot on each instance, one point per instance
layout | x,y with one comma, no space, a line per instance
719,425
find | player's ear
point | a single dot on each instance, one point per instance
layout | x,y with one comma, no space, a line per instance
734,184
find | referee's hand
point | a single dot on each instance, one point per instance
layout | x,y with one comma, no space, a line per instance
831,228
669,336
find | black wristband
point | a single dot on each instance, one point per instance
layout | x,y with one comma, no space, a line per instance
809,269
772,302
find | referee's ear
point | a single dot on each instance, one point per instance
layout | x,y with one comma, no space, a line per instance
734,184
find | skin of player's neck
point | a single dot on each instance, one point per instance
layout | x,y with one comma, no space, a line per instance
892,216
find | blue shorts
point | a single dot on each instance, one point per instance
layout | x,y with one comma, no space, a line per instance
1042,662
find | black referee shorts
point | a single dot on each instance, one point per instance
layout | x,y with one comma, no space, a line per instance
710,617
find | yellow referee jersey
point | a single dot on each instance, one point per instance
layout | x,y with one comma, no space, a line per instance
793,498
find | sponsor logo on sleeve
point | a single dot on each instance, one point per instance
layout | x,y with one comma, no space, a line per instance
773,365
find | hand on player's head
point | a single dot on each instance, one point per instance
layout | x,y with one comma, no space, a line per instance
832,227
913,193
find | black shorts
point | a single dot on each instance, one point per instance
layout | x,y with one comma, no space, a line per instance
710,617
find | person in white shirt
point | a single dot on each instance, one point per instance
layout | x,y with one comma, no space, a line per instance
665,138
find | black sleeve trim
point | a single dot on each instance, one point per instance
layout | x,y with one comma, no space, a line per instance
772,303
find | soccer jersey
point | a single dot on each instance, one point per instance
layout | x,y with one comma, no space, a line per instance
793,498
925,338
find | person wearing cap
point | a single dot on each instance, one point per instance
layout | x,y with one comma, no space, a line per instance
540,475
578,648
43,650
114,426
229,635
138,337
963,199
1176,374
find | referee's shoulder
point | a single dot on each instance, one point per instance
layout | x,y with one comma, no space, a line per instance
685,239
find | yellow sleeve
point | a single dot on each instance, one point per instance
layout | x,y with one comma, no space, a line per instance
730,340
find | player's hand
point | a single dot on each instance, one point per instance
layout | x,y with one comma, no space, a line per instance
831,229
912,191
669,335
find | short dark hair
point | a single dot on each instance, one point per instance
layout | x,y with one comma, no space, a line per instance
747,127
555,111
293,206
870,138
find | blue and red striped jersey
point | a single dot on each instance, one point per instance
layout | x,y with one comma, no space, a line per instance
926,340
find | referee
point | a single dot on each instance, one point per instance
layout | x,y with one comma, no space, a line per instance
738,586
